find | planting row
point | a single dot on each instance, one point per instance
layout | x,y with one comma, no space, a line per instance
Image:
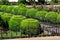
50,16
27,26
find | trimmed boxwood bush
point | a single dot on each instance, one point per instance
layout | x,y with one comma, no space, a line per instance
1,13
41,15
31,12
22,10
15,10
58,18
9,9
51,16
6,17
30,27
14,22
2,8
22,5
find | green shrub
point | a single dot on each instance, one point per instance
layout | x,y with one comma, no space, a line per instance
22,5
9,8
14,22
29,26
58,18
1,13
15,10
31,12
51,16
3,7
40,15
6,17
22,10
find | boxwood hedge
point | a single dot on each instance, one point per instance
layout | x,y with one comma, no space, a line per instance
22,10
9,9
15,10
3,8
6,17
29,26
14,22
31,12
58,18
1,13
41,15
51,16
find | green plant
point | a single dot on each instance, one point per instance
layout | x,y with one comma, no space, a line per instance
5,2
15,10
22,5
41,15
51,16
22,10
6,17
58,18
31,12
29,26
2,7
14,22
9,8
1,13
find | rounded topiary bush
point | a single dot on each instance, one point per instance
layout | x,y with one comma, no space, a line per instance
31,12
41,15
58,18
9,9
51,16
22,10
22,5
6,17
30,27
15,10
1,13
3,8
14,23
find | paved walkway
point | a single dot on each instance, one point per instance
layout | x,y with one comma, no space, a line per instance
37,38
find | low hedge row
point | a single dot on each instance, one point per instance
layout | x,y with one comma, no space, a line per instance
41,15
20,23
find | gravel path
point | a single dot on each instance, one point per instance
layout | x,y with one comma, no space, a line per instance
37,38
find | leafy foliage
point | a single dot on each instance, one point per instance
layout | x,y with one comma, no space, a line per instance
51,16
41,15
58,18
29,26
22,10
15,21
6,17
31,12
